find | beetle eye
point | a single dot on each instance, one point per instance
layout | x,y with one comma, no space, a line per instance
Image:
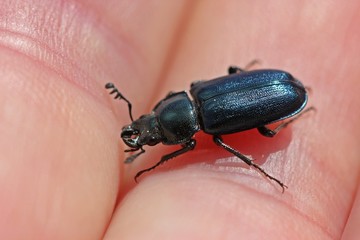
152,141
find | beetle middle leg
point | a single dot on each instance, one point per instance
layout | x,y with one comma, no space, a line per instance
267,132
185,148
218,140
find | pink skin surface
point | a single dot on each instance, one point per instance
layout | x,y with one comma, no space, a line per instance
61,164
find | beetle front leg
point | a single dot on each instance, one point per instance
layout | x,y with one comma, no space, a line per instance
267,132
218,140
132,157
186,147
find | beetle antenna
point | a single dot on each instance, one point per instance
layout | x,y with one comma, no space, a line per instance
119,96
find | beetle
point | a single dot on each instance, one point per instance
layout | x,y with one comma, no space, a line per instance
239,101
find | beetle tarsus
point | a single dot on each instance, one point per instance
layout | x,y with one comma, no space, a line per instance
218,140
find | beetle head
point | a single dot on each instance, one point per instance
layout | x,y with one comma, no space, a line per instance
143,131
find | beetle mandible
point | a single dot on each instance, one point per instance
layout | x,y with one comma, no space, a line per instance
233,103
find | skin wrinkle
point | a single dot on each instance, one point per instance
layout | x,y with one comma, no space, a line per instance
286,203
34,53
303,198
37,47
279,201
33,57
186,186
42,213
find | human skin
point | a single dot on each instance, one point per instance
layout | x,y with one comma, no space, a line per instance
61,170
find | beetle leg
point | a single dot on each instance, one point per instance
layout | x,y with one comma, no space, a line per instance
131,150
270,133
196,82
236,69
185,148
218,140
132,157
267,132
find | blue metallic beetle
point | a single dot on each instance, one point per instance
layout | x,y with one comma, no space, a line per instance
237,102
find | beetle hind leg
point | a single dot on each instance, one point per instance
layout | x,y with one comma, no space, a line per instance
185,148
267,132
218,140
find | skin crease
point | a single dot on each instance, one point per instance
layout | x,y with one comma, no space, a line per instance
61,170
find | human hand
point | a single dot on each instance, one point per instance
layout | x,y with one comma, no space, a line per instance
62,175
